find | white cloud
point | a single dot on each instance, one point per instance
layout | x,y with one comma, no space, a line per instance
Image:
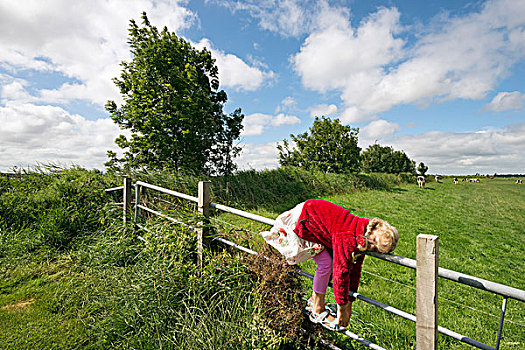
323,110
258,157
287,104
34,134
335,55
485,152
377,130
14,89
289,18
234,72
374,68
282,119
505,101
257,123
85,40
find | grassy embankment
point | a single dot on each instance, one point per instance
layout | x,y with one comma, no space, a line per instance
72,277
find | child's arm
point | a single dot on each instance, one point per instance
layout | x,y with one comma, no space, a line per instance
344,311
355,274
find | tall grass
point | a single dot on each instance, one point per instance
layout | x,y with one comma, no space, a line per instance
52,208
277,189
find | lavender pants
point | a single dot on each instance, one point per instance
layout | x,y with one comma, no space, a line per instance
323,272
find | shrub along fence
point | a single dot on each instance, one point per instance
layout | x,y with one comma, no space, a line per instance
426,266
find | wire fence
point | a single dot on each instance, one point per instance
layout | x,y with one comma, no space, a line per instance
202,204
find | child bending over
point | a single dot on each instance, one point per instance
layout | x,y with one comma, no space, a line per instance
335,239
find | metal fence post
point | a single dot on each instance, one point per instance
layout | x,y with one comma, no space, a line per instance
204,209
127,200
502,318
427,292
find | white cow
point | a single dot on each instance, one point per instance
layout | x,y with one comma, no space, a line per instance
421,181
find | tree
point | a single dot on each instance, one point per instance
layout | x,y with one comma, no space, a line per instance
329,147
422,169
383,159
172,107
402,164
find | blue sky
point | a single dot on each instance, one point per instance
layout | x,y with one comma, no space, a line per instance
441,80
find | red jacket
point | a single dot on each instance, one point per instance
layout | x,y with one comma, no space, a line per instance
339,230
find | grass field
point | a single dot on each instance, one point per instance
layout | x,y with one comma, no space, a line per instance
99,286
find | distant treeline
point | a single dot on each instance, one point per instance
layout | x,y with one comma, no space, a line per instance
508,175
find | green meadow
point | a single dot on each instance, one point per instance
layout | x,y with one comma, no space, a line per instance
480,229
72,276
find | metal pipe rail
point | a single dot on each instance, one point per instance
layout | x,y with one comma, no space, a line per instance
165,190
459,277
243,214
120,188
154,212
361,297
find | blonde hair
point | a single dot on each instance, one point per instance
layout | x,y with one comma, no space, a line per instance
387,235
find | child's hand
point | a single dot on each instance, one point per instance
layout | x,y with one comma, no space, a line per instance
343,314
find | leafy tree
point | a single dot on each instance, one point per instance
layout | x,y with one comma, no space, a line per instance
422,169
329,147
402,164
376,158
383,159
172,107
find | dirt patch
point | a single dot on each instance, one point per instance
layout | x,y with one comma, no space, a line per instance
19,305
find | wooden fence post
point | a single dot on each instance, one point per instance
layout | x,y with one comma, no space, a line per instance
136,215
127,200
427,292
204,209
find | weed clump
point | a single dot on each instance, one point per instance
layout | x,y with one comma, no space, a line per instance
279,297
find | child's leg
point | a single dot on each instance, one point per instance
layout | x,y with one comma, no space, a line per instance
321,279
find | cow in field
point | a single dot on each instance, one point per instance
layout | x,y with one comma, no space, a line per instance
456,181
519,181
421,181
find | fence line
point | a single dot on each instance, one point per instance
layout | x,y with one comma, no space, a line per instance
204,203
401,284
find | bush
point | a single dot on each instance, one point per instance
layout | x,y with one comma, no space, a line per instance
56,206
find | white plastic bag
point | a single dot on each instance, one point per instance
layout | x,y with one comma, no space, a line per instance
283,238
